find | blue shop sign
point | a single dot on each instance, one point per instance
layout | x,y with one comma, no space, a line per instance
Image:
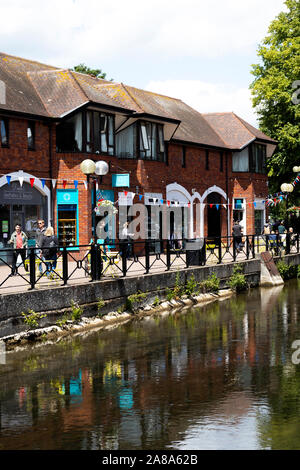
120,181
67,196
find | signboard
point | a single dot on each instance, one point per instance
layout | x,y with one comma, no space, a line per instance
125,200
120,181
4,226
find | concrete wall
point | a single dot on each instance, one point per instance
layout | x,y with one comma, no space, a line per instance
116,290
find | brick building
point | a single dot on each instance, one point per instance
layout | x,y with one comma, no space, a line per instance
160,151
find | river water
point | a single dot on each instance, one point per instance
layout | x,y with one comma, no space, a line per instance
223,376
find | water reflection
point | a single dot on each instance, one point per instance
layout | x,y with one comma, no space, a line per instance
216,377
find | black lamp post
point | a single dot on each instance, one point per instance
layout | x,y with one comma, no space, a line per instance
94,170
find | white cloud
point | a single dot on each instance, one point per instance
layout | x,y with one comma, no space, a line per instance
208,97
67,31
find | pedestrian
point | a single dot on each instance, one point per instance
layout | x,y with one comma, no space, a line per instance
127,236
281,228
19,241
38,239
49,246
237,233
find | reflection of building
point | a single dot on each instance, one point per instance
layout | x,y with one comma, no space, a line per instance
161,152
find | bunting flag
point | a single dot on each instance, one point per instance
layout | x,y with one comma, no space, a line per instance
64,184
85,185
217,206
53,183
21,180
189,204
161,201
76,184
125,192
140,197
8,178
168,202
43,182
31,182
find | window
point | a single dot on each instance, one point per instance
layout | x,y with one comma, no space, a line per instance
258,158
91,132
31,136
206,159
183,162
141,140
126,142
240,160
221,161
4,132
151,141
69,134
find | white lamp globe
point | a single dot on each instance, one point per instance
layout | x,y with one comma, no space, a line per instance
102,168
296,169
88,167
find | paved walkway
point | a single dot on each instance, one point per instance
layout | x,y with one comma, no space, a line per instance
77,273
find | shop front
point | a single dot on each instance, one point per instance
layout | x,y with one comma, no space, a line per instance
21,204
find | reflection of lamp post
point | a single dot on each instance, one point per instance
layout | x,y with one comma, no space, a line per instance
90,168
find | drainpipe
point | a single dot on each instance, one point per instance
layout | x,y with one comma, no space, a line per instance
50,174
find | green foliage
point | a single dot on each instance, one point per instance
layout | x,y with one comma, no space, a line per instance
63,320
286,271
121,309
134,300
76,311
156,301
97,73
274,93
191,286
237,280
100,305
32,318
211,284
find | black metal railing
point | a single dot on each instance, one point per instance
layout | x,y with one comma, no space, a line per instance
123,258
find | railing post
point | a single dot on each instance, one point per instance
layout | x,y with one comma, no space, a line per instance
203,253
267,242
253,246
99,263
124,258
168,255
234,250
297,242
147,255
32,277
247,247
93,262
220,251
65,265
287,244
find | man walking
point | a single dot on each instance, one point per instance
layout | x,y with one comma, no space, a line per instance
237,236
39,238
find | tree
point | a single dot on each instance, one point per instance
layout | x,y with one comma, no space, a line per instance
276,93
97,73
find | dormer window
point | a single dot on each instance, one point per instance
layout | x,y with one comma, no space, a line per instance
143,140
100,133
151,141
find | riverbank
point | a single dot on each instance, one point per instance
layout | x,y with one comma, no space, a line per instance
54,333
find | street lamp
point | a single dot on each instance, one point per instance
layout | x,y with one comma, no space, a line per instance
94,170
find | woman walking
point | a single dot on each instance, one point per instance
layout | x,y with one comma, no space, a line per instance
19,241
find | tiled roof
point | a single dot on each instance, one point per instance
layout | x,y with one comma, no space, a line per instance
46,91
234,131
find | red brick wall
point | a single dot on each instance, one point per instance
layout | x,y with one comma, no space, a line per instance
148,176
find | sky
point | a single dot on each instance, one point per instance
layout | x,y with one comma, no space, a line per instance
199,51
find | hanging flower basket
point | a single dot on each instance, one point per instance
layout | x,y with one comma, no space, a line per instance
106,204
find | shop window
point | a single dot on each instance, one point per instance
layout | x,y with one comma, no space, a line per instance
4,132
31,136
69,134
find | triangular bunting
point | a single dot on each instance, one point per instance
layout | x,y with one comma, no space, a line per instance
8,178
53,183
31,182
43,182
